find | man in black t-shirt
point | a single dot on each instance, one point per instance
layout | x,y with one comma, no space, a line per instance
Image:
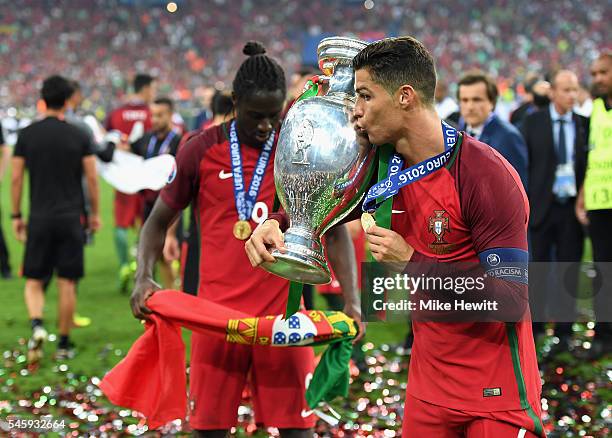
57,155
5,266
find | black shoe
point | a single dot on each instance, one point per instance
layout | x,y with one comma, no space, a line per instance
6,274
65,353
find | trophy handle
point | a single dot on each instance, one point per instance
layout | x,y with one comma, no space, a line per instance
304,260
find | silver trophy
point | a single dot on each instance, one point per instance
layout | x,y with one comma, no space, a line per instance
321,172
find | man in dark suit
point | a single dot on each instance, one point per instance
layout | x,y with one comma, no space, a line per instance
536,99
556,138
477,94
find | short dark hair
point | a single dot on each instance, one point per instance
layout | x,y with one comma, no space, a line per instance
55,91
476,77
165,101
222,103
258,72
75,87
141,80
529,83
393,62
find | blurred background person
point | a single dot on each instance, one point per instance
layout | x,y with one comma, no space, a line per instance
132,119
161,139
56,155
477,95
555,136
222,107
584,101
298,81
445,104
526,102
536,98
205,105
594,205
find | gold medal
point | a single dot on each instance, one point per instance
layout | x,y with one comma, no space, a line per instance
367,220
242,230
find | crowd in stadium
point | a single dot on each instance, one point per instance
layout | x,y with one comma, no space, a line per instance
103,44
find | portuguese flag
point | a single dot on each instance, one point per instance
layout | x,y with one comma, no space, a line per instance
151,378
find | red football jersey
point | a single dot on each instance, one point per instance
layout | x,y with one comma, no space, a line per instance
132,119
480,366
204,176
479,205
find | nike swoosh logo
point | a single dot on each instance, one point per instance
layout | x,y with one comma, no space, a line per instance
398,211
306,413
225,175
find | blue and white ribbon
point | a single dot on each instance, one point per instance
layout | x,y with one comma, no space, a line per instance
398,178
245,201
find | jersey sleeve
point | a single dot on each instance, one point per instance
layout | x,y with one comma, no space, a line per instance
139,146
494,204
179,193
89,145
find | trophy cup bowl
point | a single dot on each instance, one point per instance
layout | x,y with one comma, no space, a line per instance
321,171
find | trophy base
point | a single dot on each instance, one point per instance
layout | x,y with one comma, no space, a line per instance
303,262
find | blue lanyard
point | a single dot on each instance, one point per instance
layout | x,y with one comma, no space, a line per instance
246,201
398,178
165,146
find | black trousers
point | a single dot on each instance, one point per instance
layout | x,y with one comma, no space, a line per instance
600,230
191,270
554,287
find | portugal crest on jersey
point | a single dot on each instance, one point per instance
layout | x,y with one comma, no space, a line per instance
438,226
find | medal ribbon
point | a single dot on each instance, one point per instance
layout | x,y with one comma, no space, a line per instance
383,213
165,146
397,178
245,201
